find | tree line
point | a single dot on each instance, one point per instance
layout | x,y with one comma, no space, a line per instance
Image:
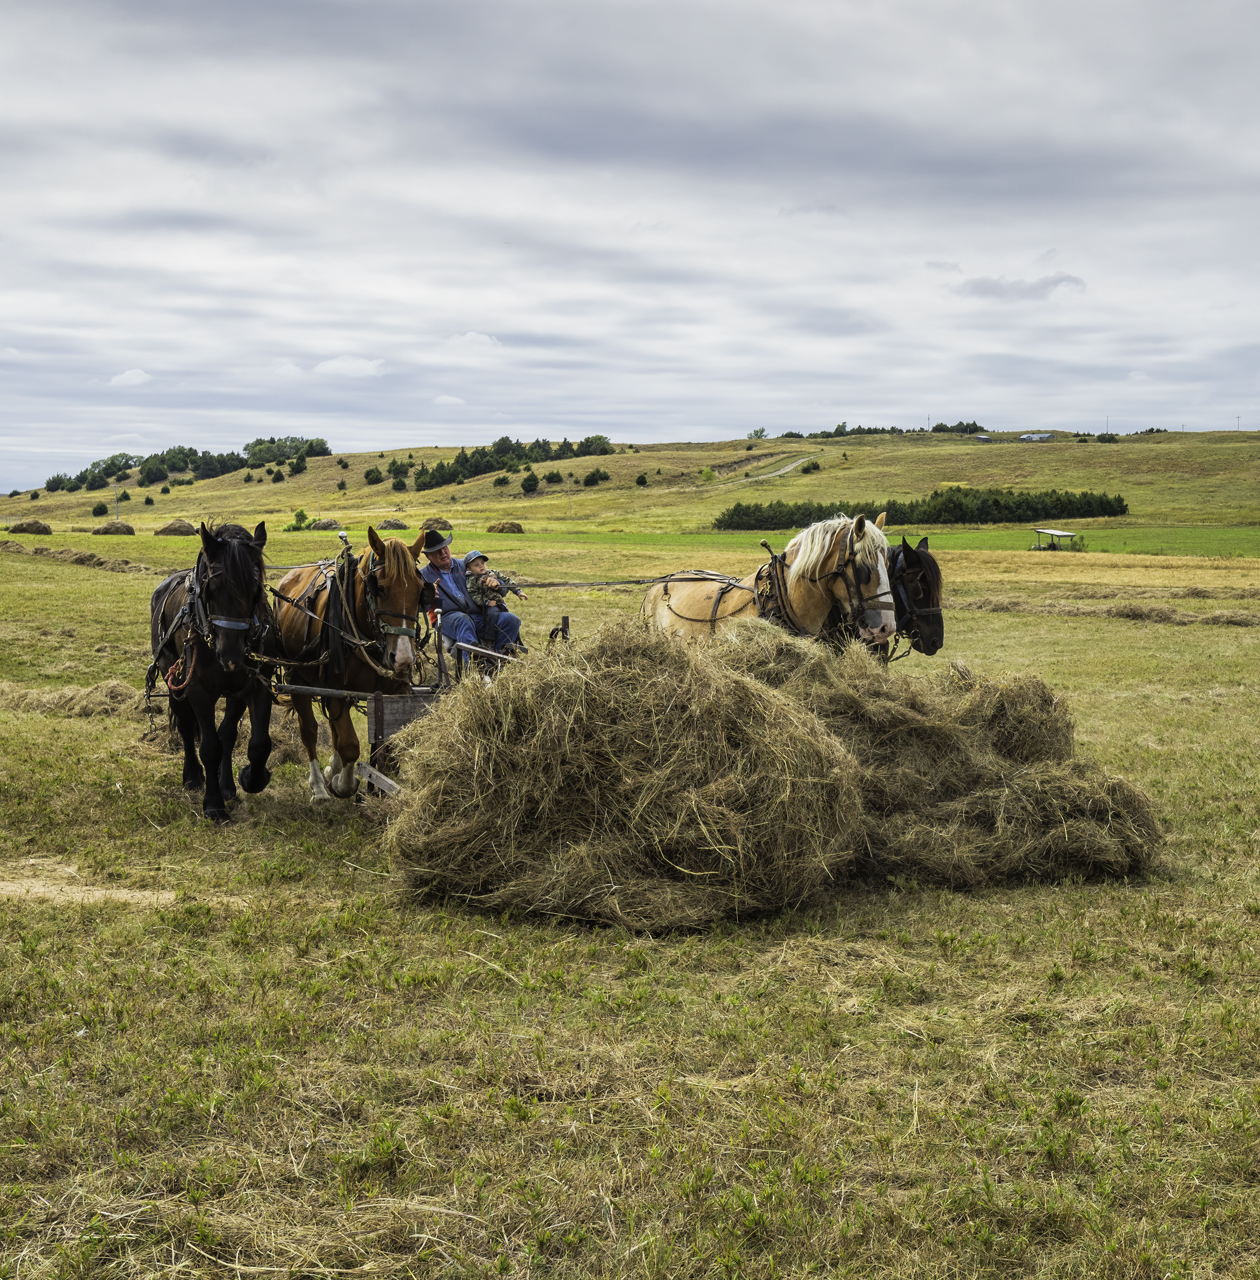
199,464
505,454
943,506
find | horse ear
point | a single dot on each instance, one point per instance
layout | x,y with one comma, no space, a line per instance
374,539
209,543
260,535
922,545
879,519
417,548
859,527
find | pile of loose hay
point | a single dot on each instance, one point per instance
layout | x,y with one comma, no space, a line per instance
639,781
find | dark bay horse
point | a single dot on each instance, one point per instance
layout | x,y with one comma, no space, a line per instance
916,584
916,587
209,625
352,624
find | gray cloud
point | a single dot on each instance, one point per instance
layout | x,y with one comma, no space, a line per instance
1004,290
647,219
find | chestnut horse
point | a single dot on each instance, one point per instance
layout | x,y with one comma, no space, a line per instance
834,562
349,623
209,625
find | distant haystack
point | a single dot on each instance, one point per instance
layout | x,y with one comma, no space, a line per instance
639,781
393,524
30,526
177,528
114,527
505,526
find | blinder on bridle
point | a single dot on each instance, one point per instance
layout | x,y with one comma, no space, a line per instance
371,588
205,622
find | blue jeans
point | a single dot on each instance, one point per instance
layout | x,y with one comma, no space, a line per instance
462,629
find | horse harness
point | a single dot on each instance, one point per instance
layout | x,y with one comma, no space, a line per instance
200,624
770,594
337,576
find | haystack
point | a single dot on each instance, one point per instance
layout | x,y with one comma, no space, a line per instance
436,522
328,522
392,523
30,526
114,527
505,526
177,528
632,781
638,781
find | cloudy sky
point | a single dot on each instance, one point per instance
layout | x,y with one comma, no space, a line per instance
409,221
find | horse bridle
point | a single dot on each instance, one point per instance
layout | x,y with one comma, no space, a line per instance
204,623
898,576
853,581
375,612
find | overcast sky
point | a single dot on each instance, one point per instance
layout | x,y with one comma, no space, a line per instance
413,222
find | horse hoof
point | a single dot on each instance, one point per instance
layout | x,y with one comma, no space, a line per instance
195,782
254,780
218,816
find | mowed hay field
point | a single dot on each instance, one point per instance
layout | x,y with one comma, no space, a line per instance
243,1051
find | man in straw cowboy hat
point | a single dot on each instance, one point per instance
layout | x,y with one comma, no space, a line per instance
459,611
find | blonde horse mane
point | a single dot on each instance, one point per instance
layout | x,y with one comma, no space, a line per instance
397,564
813,544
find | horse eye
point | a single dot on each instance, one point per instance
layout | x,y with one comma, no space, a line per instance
863,574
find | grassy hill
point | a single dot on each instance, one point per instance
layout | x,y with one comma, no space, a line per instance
1210,478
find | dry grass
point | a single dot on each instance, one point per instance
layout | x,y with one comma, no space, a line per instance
637,781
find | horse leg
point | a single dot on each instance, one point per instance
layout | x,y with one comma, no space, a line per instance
308,726
211,757
340,776
255,775
186,723
233,710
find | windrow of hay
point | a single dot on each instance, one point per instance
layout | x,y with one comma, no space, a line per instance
639,781
1128,610
89,559
109,698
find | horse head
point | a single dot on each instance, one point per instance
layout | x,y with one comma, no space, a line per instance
228,582
395,596
917,588
845,561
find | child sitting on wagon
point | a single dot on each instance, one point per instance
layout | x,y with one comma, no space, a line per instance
486,590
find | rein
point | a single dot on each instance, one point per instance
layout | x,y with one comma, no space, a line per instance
368,649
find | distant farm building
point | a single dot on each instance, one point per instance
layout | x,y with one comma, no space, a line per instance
982,439
1037,435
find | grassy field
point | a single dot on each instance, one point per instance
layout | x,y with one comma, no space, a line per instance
238,1051
1209,478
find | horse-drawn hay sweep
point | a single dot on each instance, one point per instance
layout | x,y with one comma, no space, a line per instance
633,779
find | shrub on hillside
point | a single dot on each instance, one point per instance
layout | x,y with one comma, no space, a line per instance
100,509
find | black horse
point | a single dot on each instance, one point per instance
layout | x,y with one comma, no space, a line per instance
209,626
915,578
916,586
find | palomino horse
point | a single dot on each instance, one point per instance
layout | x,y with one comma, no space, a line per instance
350,624
916,584
209,625
839,561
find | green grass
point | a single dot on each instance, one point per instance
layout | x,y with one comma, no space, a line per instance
254,1055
